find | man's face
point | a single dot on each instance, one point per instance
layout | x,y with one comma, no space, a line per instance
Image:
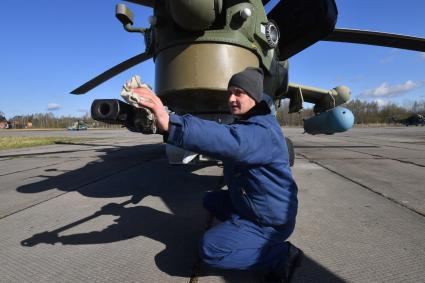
239,101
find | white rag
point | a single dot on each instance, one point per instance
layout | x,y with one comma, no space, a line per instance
128,94
133,98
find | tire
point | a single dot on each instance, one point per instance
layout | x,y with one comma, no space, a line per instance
291,152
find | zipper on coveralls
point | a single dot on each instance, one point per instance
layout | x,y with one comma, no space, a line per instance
248,200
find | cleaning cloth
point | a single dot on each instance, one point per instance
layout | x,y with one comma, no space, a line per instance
148,122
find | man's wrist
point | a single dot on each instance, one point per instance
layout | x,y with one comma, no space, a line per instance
162,122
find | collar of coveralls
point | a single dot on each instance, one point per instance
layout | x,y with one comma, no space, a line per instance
260,108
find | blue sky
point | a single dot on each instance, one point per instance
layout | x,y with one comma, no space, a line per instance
48,48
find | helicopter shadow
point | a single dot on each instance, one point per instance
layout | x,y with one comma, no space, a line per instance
109,162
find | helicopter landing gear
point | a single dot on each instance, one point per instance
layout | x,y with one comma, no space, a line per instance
291,152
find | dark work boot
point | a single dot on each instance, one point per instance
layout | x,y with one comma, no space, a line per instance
295,256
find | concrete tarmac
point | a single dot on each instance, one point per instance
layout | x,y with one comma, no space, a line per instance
111,209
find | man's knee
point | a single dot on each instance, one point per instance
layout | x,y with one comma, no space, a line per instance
210,250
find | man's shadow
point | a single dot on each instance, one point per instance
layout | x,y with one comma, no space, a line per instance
178,233
140,171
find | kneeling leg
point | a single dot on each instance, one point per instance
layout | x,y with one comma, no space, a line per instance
243,245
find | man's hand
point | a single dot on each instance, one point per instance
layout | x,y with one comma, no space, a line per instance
149,100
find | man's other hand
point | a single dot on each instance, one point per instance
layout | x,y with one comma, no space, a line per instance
149,100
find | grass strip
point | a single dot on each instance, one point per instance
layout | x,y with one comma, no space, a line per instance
9,142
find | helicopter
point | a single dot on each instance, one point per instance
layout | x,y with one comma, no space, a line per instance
412,120
78,126
198,45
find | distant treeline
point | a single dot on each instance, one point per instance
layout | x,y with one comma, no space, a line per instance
370,112
364,113
48,120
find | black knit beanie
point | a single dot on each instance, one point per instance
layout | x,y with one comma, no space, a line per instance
251,81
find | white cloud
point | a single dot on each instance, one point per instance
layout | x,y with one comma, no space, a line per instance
387,60
83,110
392,55
53,106
386,90
422,54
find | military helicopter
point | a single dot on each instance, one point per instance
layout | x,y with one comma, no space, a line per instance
412,120
198,45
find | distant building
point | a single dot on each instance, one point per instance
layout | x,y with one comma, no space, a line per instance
20,122
4,124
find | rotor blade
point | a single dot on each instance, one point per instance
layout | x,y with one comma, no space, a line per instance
112,72
149,3
377,38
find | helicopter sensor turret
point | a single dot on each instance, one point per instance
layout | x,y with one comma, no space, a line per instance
195,15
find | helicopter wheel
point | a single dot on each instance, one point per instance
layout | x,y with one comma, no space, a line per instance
291,152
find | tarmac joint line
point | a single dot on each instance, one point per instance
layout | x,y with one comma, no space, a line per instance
362,185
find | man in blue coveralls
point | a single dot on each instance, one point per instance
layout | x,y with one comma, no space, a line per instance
258,210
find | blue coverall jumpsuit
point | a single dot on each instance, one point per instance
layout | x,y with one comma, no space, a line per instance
259,208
